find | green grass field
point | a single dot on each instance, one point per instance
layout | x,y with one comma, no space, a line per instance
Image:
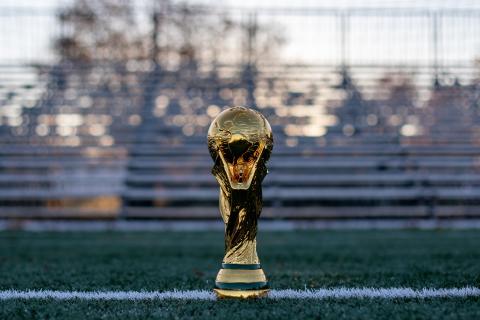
190,260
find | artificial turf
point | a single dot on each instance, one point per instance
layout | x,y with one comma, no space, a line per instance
190,260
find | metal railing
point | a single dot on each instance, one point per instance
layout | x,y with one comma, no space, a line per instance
314,36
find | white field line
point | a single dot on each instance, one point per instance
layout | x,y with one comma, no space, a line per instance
333,293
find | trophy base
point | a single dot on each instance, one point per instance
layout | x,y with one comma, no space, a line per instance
241,294
241,281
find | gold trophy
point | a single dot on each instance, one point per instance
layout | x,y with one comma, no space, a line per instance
240,142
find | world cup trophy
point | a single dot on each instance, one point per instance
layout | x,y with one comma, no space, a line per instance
240,142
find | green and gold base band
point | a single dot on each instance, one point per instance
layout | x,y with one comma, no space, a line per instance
241,266
242,285
241,280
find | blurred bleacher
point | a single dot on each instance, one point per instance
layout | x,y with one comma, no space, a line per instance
104,142
128,140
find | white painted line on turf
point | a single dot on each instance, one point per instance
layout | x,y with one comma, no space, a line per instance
383,293
334,293
107,295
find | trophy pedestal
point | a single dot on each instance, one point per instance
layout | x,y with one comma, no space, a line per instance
241,281
241,294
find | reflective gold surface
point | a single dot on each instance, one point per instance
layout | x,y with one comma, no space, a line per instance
240,276
240,142
242,294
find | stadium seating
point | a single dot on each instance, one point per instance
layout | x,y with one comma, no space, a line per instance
107,141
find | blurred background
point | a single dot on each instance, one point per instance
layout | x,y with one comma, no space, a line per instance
105,106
